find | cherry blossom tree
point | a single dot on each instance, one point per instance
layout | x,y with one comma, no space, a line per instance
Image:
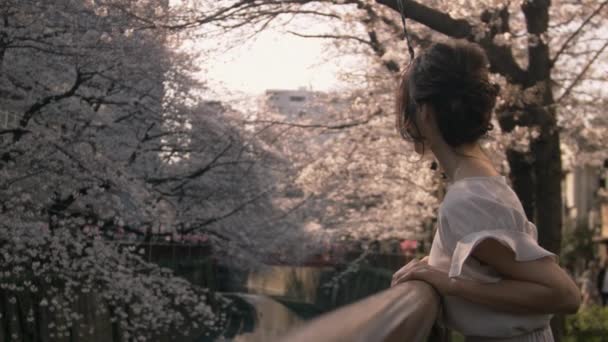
96,100
545,55
345,164
537,49
104,140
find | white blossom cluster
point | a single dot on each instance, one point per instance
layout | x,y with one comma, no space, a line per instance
55,268
90,95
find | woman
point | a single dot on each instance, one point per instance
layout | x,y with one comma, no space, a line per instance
496,283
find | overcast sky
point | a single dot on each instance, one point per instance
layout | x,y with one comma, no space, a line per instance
274,60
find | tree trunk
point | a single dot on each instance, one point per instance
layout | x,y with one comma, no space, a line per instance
548,207
522,179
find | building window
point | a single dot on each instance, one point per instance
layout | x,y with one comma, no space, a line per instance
297,98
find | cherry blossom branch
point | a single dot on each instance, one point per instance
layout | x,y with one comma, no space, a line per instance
328,127
582,73
332,36
501,57
577,32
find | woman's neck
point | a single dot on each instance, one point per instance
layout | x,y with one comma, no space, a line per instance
463,161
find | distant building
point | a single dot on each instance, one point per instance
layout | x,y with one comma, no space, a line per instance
602,216
586,203
302,104
580,202
291,103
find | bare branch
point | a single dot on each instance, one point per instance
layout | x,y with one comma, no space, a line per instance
193,175
582,73
328,127
434,19
501,57
215,219
331,36
81,78
578,30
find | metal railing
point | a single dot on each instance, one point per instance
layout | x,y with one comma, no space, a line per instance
406,312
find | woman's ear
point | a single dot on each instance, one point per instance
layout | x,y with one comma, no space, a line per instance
428,123
427,114
424,112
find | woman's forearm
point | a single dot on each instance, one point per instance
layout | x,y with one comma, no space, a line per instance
510,296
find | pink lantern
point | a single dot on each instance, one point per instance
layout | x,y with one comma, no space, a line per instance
408,246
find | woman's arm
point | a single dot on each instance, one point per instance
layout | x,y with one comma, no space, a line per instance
529,287
538,286
514,296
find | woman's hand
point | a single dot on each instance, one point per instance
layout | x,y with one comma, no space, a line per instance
421,270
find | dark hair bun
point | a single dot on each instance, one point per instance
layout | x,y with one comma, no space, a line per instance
453,78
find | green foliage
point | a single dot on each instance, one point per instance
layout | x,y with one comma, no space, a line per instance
577,244
457,337
589,324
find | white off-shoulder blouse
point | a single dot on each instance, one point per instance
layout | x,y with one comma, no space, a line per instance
474,209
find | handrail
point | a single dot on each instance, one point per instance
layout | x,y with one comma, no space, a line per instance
405,312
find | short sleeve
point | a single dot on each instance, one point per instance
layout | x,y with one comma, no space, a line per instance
469,218
522,244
